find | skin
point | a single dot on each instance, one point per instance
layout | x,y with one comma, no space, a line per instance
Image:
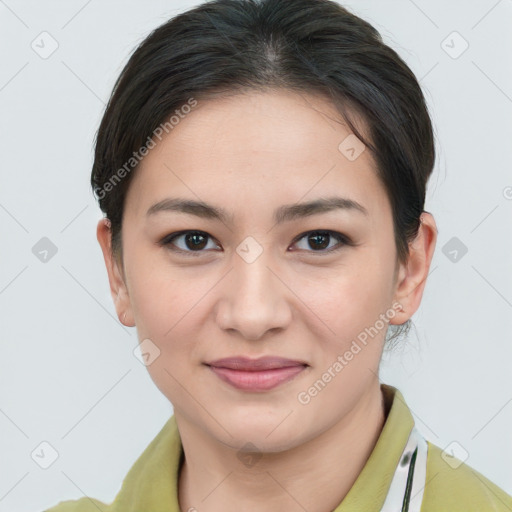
251,154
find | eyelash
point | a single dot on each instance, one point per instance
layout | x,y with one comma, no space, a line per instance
342,239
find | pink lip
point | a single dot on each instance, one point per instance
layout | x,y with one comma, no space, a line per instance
256,374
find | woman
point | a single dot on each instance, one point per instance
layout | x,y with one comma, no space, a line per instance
262,167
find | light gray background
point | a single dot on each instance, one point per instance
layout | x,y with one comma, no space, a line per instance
67,369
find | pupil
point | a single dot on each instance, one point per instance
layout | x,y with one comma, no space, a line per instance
193,237
316,237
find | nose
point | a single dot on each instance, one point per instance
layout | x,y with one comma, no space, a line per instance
254,299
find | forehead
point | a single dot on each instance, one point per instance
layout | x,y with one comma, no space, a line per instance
280,122
277,147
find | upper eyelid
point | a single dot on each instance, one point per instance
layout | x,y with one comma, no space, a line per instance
329,231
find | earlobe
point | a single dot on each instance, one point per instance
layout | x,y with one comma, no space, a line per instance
118,288
413,274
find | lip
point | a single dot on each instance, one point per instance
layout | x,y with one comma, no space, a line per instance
259,374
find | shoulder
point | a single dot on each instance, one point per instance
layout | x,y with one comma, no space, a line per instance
85,504
455,486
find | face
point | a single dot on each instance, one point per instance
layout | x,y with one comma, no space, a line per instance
264,279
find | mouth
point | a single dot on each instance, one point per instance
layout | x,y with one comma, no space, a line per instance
259,374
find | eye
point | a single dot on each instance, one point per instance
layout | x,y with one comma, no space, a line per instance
193,242
319,240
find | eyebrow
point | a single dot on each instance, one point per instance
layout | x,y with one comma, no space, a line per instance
282,214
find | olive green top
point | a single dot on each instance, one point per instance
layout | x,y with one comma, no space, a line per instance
151,485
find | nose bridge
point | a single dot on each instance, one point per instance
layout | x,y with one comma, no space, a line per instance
253,279
252,274
254,302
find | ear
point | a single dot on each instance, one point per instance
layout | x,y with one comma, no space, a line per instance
412,276
118,288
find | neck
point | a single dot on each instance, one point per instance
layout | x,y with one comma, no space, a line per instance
307,477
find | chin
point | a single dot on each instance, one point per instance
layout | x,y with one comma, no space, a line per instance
250,442
267,434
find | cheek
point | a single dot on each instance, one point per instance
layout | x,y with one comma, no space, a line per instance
155,306
167,307
356,296
166,312
350,305
158,295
